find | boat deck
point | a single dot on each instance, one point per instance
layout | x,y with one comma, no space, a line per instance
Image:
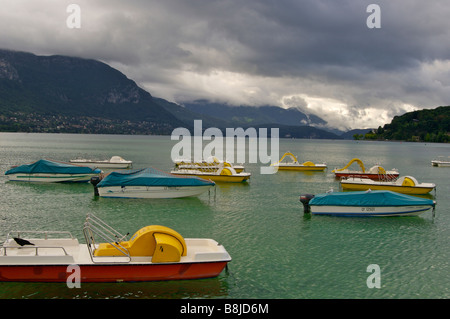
69,251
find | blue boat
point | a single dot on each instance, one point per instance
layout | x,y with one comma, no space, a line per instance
149,183
49,171
365,203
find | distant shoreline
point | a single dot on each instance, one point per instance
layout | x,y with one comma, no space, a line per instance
284,138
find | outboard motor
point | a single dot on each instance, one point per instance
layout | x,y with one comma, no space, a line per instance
94,181
304,199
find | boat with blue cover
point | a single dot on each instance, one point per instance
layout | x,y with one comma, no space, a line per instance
50,171
149,183
365,203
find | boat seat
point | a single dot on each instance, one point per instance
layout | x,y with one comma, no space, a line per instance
377,170
168,248
228,171
160,242
408,181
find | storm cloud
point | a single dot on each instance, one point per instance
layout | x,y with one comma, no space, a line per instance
319,56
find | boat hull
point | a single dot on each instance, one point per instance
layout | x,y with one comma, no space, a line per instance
116,162
206,168
375,177
300,168
384,211
296,166
51,178
440,163
103,164
112,272
412,190
152,191
218,178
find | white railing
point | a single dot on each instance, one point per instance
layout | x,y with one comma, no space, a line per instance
16,235
94,226
36,248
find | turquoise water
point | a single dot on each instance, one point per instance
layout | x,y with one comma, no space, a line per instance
277,251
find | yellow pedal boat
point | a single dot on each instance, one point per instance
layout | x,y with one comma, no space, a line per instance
404,185
222,174
212,163
296,166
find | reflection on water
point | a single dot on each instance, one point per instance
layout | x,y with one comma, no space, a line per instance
277,250
51,188
201,288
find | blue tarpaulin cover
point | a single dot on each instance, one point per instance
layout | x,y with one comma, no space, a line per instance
368,198
46,166
150,177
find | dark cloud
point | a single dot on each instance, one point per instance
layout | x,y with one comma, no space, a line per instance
318,55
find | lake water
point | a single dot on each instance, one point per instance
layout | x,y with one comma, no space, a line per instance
278,252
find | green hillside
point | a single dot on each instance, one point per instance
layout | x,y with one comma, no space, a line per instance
428,125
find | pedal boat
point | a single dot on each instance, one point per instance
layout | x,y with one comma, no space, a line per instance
404,185
153,253
115,162
294,165
212,163
369,203
49,171
222,174
149,183
439,162
375,172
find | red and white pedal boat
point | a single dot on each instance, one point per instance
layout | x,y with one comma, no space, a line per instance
375,173
152,253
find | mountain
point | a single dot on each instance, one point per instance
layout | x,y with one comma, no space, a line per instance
309,132
58,91
250,116
290,122
187,116
74,95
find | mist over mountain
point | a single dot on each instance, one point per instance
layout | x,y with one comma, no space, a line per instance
250,115
74,95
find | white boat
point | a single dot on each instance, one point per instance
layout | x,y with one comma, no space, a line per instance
439,162
294,165
46,171
115,162
149,183
404,185
368,203
153,253
221,174
210,164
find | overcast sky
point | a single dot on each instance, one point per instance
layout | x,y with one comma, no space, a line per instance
319,56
